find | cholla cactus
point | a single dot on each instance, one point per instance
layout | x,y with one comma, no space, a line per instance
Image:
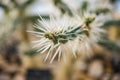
56,37
92,32
93,25
59,37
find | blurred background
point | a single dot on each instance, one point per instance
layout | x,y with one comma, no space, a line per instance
19,61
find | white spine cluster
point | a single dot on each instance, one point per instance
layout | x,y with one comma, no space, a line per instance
59,37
